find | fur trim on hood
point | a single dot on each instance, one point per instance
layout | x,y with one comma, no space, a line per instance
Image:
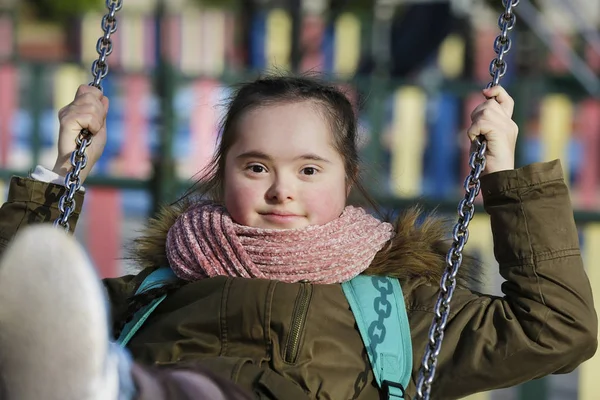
417,251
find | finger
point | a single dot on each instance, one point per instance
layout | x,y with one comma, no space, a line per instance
88,98
487,109
91,123
105,104
479,128
502,97
96,109
473,131
84,121
86,89
477,111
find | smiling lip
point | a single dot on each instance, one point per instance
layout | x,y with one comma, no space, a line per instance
281,216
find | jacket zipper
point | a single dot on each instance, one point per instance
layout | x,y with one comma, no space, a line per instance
298,320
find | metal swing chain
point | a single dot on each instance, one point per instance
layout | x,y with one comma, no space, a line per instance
104,47
466,210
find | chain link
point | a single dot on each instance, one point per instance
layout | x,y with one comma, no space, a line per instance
79,159
466,209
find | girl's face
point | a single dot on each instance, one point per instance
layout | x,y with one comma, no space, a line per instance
283,172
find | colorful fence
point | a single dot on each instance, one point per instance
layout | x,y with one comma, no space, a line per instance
415,142
421,148
422,145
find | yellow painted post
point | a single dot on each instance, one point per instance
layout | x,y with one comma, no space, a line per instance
408,136
143,6
589,384
278,46
481,244
214,42
133,51
90,32
451,56
556,120
347,45
191,36
3,192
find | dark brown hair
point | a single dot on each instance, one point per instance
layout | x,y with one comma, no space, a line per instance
275,90
263,92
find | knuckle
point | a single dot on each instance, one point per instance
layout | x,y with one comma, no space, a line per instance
90,108
89,97
474,116
84,90
94,91
515,127
70,118
83,119
472,131
62,112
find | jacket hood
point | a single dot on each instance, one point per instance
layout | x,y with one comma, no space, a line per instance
416,252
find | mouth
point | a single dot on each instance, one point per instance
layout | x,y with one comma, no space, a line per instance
280,214
277,216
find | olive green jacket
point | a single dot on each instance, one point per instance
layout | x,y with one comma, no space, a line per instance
299,340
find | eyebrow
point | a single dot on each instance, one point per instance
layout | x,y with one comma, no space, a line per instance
266,157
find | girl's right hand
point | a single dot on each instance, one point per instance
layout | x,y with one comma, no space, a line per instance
87,111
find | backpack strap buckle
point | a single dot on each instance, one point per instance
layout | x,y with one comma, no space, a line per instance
392,390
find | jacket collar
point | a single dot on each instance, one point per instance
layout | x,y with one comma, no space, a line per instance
417,251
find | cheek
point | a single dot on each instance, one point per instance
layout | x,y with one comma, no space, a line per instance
240,200
325,205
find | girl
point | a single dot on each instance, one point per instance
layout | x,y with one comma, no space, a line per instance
258,298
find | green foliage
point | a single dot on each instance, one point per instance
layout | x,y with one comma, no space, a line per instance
224,4
231,5
60,10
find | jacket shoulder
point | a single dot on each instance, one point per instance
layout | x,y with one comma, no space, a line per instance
418,250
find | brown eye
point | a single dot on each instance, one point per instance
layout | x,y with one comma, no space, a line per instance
309,171
257,169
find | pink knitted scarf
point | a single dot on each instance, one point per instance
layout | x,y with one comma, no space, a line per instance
205,242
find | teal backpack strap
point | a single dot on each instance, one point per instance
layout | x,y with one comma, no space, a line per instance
378,306
155,280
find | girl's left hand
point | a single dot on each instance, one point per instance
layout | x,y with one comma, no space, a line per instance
492,119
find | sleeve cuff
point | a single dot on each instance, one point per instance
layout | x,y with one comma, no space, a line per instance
527,176
43,174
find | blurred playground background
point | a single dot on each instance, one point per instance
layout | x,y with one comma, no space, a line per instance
414,69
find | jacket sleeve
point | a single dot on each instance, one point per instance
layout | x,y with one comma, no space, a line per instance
545,323
29,202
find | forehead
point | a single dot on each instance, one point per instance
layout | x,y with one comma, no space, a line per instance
285,127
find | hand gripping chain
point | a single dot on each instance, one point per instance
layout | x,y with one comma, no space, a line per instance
466,209
104,47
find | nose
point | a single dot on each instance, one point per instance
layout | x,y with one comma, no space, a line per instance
280,191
